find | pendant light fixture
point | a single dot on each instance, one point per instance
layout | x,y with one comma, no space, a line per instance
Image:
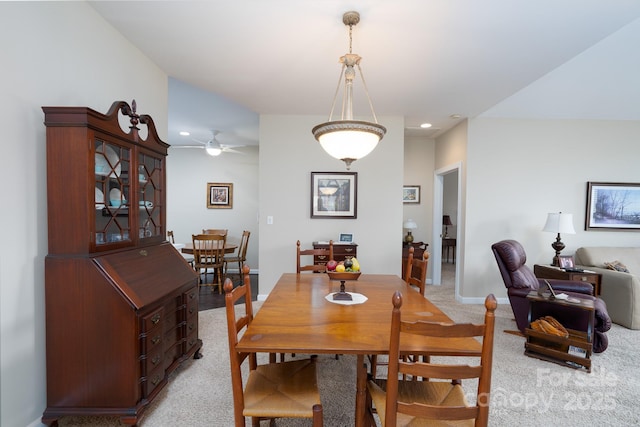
347,139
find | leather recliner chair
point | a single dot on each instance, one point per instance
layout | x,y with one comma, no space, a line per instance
520,280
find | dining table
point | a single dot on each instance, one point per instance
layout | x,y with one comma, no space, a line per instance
301,316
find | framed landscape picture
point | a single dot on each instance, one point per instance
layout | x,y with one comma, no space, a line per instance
411,194
219,195
334,194
612,206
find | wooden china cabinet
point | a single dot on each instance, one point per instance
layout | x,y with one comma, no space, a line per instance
121,302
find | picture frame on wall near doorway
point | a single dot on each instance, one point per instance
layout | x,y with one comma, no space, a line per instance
411,194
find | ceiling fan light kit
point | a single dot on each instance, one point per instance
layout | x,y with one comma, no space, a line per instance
347,139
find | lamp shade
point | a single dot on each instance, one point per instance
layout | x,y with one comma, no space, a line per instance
410,224
559,223
446,220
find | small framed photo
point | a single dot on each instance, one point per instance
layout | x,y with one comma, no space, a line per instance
411,194
566,262
219,195
346,238
334,195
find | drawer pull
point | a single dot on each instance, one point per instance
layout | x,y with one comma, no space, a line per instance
156,380
143,252
155,340
584,279
191,310
192,342
156,359
348,250
191,326
192,295
322,256
155,319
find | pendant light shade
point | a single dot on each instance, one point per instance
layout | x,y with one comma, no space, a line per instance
347,139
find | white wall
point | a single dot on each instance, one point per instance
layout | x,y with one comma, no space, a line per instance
53,53
288,155
419,158
519,170
189,171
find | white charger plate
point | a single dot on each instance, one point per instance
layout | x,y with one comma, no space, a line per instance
102,166
99,199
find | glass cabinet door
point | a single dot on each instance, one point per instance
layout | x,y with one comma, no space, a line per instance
112,193
150,182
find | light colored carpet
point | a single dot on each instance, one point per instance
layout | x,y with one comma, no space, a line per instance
525,391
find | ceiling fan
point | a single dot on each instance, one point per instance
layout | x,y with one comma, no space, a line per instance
212,146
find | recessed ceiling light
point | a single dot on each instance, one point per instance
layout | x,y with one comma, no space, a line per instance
454,116
184,133
425,125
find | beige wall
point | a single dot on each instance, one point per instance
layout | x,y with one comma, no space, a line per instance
419,158
53,53
288,155
519,170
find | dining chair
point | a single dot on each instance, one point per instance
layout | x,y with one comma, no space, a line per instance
440,396
241,256
416,270
208,255
170,237
220,231
274,390
415,276
324,254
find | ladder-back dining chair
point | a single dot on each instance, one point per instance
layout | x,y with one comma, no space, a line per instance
322,254
241,256
416,270
440,396
208,256
275,390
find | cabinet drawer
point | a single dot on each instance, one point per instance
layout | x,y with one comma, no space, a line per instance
153,380
192,339
153,360
152,320
191,301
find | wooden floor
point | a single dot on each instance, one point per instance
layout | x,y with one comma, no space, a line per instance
211,298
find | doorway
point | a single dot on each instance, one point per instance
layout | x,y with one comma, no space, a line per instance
446,249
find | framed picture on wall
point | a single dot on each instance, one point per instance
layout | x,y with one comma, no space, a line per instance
612,206
411,194
334,194
219,195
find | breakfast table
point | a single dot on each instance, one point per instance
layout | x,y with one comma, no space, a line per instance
187,248
301,316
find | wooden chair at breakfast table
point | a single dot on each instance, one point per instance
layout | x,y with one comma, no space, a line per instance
208,254
241,256
441,399
275,390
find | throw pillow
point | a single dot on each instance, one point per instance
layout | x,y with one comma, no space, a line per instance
617,266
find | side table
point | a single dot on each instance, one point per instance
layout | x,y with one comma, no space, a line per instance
558,349
552,272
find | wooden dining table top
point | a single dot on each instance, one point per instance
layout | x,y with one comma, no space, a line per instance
229,248
297,318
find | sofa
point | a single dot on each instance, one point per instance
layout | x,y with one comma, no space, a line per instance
620,290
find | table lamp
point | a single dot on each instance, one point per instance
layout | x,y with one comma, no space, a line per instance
559,223
409,225
446,221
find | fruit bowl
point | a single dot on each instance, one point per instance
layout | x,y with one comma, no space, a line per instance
347,275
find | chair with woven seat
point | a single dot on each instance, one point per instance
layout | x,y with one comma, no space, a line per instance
208,254
241,256
274,390
415,275
324,254
187,257
440,400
